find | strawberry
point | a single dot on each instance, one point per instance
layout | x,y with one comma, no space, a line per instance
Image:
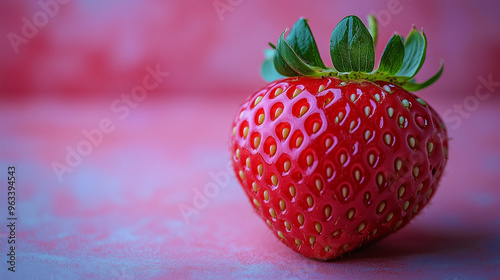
337,158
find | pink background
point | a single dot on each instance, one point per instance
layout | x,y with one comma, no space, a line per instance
91,48
116,214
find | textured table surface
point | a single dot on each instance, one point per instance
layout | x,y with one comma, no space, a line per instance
116,212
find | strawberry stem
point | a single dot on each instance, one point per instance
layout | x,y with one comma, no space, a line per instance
352,50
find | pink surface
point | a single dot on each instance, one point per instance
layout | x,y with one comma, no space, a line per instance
117,214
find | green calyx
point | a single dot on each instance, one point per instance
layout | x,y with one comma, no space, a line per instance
352,49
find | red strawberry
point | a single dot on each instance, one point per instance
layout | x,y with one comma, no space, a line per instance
332,160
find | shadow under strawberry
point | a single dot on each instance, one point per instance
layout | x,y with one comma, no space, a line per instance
452,243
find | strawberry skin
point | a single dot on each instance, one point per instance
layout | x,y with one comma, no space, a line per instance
334,165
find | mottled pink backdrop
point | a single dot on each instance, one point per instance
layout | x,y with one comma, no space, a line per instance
90,48
114,213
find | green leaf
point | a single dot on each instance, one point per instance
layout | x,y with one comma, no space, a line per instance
267,70
291,60
280,65
302,42
351,46
392,58
414,87
373,28
415,48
